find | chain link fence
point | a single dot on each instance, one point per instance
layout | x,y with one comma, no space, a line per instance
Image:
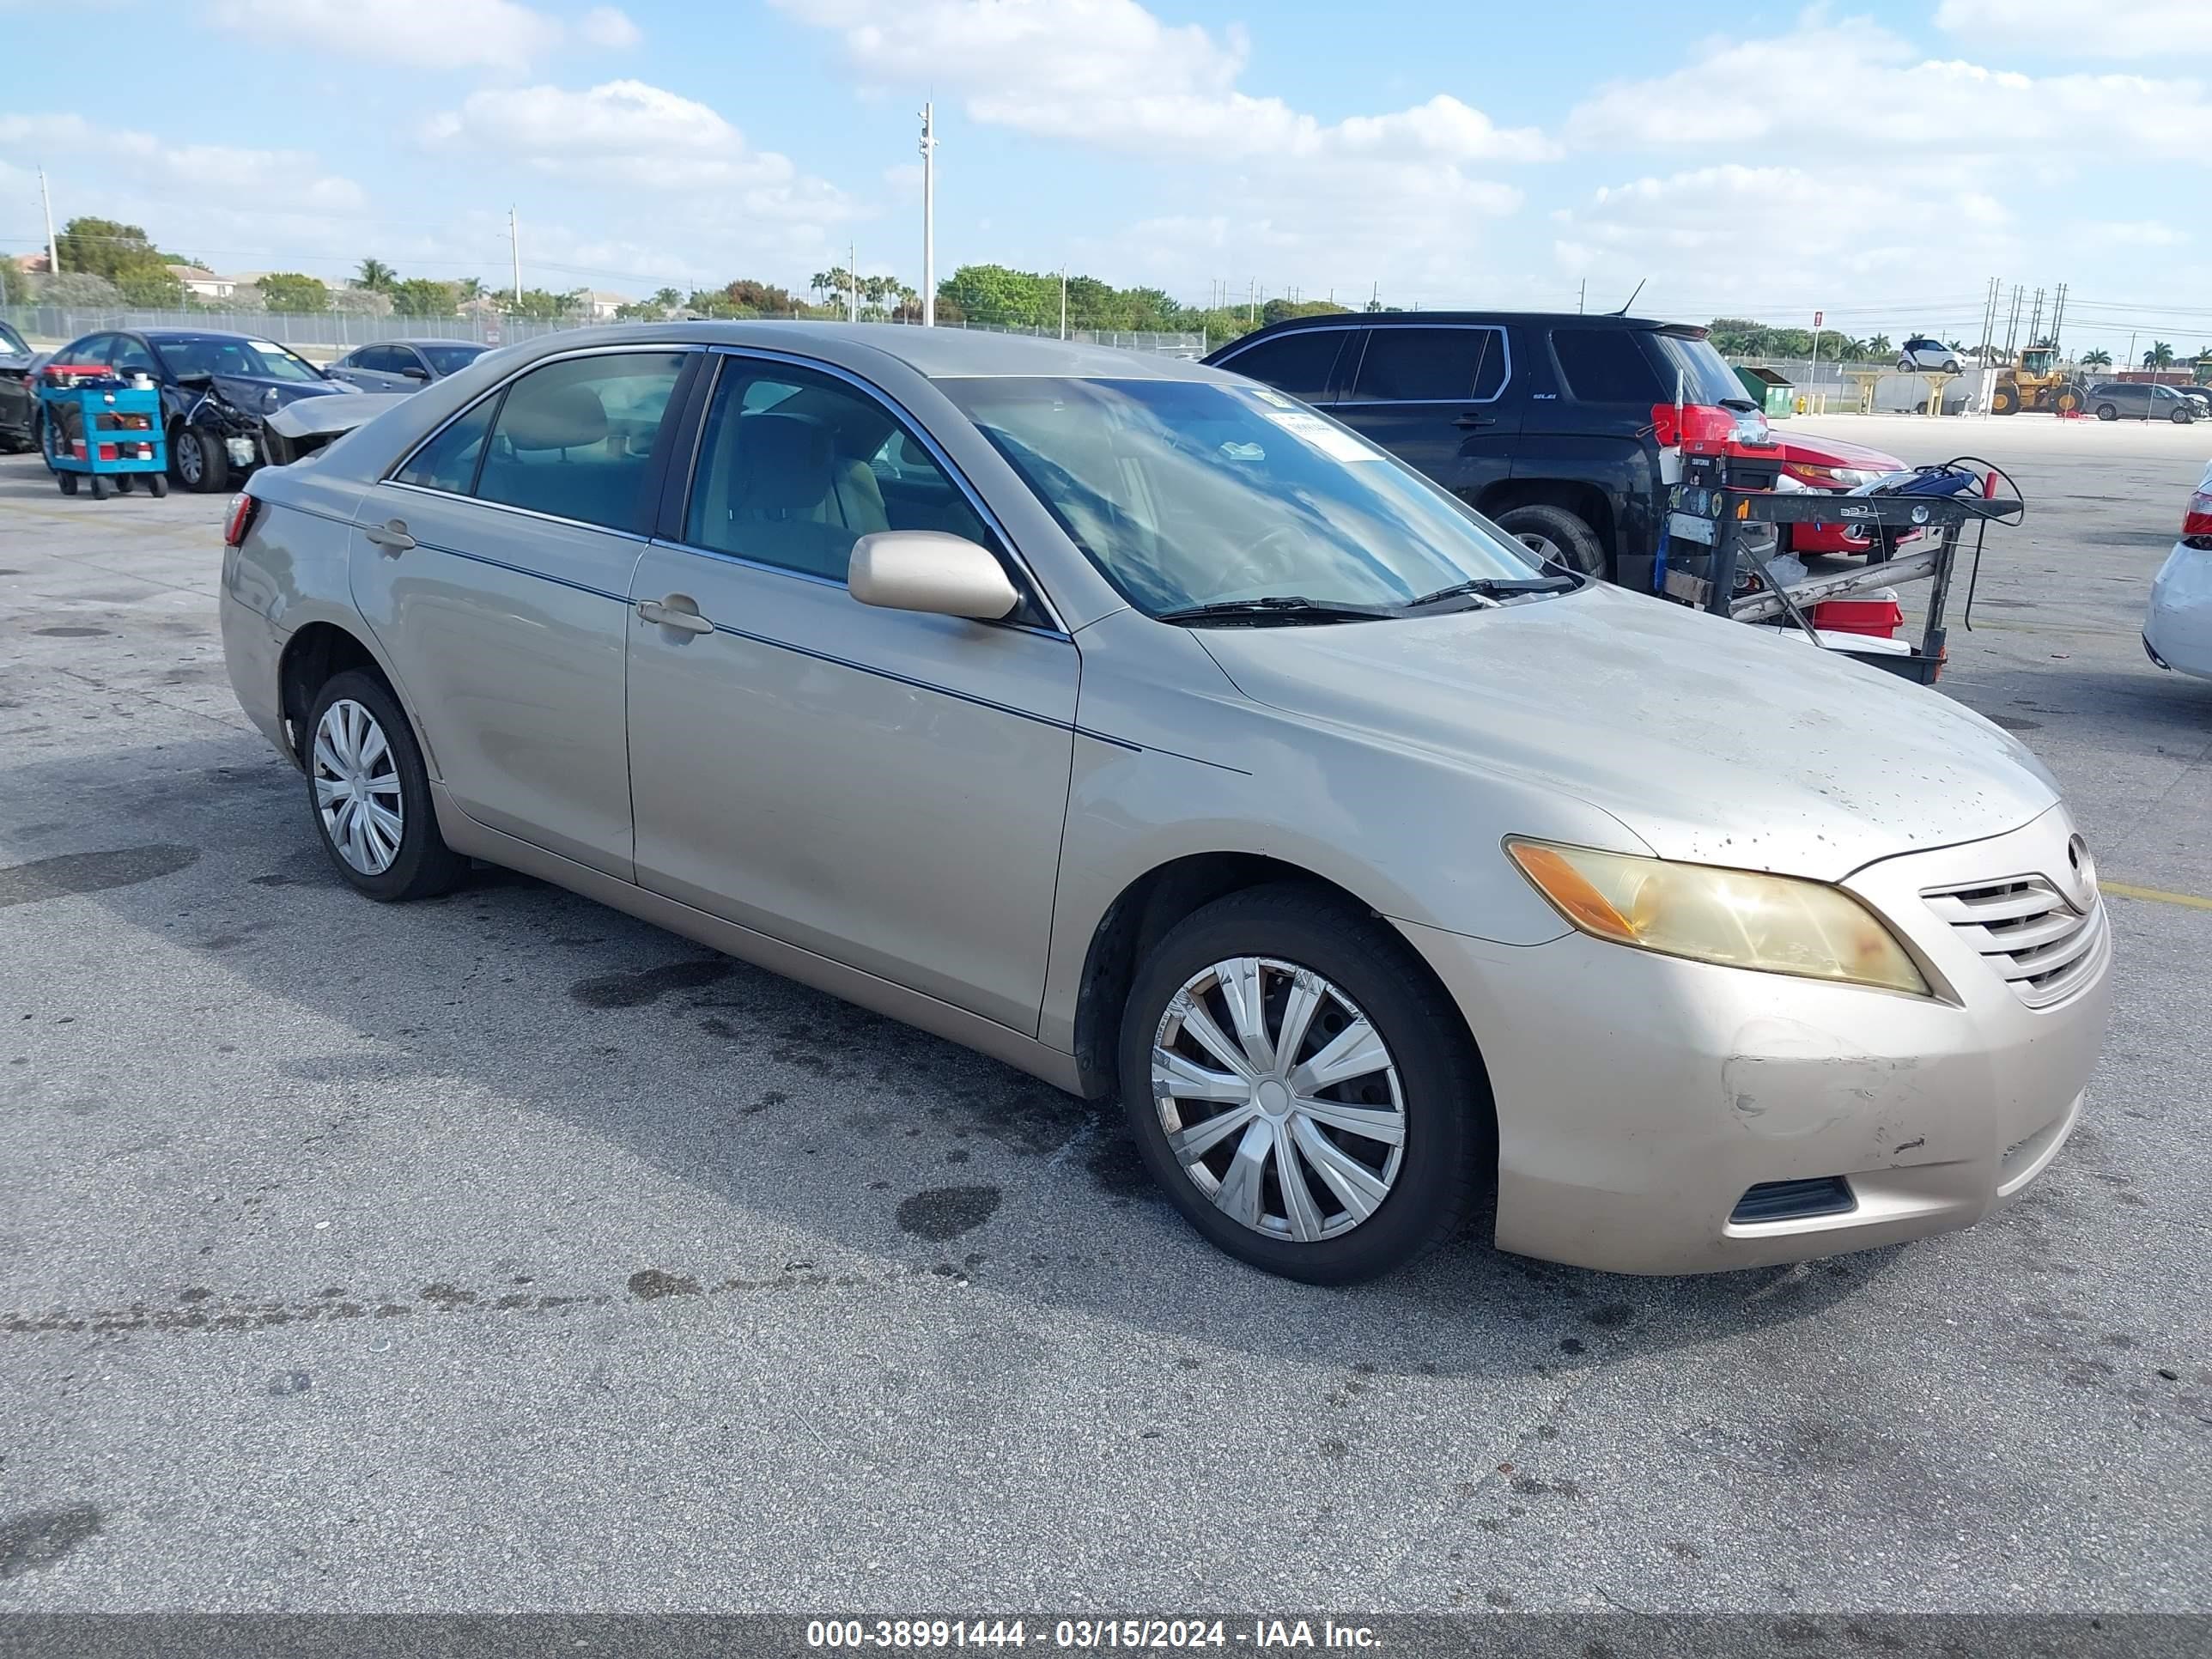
330,333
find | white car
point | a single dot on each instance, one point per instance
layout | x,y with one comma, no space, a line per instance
2178,633
1920,353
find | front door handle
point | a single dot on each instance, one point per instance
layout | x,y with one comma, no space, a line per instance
1475,420
392,537
675,612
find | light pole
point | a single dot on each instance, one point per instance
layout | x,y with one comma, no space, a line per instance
928,216
53,250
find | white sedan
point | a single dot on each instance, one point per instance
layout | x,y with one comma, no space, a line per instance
2178,633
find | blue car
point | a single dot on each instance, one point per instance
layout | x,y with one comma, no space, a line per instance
215,390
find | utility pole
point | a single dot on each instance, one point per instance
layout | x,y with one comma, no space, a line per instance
514,241
2131,348
2057,317
1582,297
1063,302
1252,304
928,216
852,282
53,248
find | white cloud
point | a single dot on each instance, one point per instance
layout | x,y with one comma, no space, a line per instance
286,179
2084,28
609,27
427,34
1734,95
2128,233
640,137
1111,74
1753,239
1257,184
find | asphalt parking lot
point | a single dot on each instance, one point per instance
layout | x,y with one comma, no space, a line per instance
501,1252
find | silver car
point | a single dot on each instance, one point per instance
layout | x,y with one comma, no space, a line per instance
1136,724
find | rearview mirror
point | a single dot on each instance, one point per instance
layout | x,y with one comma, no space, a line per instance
195,377
926,570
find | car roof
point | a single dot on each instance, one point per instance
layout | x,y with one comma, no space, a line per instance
428,340
940,353
158,334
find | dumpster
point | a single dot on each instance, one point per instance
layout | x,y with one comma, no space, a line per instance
1770,389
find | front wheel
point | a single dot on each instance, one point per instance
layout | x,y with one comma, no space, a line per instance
370,794
2107,412
157,485
1555,534
1301,1089
2182,417
198,459
2004,401
67,481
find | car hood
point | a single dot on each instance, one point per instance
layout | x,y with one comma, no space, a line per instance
251,392
1833,452
1711,740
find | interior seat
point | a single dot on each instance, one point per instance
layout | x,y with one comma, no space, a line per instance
776,490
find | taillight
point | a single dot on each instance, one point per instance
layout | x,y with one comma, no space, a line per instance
242,509
2196,523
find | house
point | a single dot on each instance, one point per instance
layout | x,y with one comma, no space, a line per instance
602,306
203,284
31,264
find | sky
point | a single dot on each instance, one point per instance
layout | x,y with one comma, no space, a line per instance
1879,163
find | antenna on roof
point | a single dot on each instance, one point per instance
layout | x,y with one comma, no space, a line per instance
1630,300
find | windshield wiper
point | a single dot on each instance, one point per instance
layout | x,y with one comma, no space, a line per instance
1278,607
1497,588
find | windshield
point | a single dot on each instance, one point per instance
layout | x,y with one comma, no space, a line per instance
450,359
11,341
211,355
1706,378
1187,494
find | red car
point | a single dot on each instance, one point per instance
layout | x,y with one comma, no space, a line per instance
1831,464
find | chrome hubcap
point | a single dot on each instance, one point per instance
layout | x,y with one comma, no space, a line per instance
358,788
1542,546
1279,1098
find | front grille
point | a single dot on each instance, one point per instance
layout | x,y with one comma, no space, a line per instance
2026,930
1793,1200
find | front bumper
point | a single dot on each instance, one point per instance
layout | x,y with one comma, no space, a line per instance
1640,1097
2178,632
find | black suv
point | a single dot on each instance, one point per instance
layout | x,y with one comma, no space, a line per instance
1544,423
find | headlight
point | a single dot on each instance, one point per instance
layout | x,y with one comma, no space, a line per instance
1775,924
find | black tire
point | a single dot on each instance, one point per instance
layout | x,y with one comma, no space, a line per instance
67,481
157,485
98,487
1951,366
2107,412
1906,366
423,866
122,483
1448,1125
2182,417
1573,541
197,457
2004,401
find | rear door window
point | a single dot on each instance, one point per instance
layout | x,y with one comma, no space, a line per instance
1301,363
1412,365
1603,365
575,438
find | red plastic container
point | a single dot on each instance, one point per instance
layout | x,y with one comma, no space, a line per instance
1877,614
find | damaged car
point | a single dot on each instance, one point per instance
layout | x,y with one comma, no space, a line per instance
217,392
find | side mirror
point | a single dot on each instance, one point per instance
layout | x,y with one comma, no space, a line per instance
415,372
928,571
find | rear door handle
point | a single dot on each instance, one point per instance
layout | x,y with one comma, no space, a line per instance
1475,421
675,612
392,537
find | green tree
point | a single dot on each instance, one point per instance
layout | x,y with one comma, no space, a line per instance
124,255
2099,358
667,298
288,290
14,283
468,288
994,294
419,296
2160,355
376,277
77,288
1880,346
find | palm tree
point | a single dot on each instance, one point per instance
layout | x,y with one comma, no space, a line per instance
2099,358
377,276
468,288
2160,355
1879,346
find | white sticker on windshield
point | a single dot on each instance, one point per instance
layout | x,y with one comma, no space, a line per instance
1273,396
1338,445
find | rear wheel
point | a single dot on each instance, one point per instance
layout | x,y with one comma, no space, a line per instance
2107,412
1301,1088
370,794
1554,534
98,487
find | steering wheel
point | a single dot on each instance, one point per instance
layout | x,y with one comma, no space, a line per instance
1253,562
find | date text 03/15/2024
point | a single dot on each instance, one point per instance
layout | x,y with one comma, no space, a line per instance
1122,1634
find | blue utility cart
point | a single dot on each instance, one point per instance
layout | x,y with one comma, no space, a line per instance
103,429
